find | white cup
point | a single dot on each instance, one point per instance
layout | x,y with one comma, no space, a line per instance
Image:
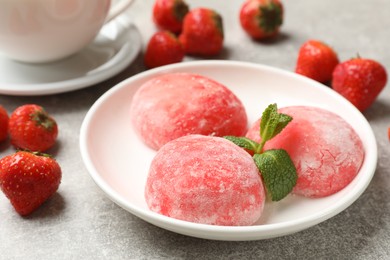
38,31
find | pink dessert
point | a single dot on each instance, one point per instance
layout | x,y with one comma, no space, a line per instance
205,179
177,104
325,149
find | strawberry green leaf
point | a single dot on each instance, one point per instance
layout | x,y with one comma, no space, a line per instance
271,17
42,118
217,18
243,142
278,172
180,9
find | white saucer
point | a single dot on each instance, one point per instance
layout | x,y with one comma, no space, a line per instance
122,175
113,50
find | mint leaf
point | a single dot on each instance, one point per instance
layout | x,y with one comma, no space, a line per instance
243,142
278,172
272,122
269,121
283,121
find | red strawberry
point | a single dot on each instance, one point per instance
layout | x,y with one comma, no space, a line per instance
388,133
163,48
3,124
31,128
261,18
28,180
360,81
169,14
317,61
202,32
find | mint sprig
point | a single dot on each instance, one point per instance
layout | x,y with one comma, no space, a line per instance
276,167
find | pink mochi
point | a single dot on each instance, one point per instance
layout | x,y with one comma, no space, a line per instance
325,149
177,104
205,179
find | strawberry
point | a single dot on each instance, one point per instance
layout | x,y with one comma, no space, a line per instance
163,48
169,14
261,19
388,133
28,180
317,61
202,32
3,124
360,81
31,128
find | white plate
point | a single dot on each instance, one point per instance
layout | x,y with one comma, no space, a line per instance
113,50
118,161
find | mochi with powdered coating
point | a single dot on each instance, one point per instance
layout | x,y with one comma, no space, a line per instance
324,148
207,180
177,104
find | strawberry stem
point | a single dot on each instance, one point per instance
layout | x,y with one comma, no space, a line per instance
180,9
271,17
42,118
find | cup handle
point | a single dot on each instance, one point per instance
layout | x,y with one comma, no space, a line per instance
118,9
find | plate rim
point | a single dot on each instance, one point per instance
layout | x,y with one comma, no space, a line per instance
256,232
123,58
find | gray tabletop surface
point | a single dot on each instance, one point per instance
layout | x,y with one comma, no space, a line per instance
80,222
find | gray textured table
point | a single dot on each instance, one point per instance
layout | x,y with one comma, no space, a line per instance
80,222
